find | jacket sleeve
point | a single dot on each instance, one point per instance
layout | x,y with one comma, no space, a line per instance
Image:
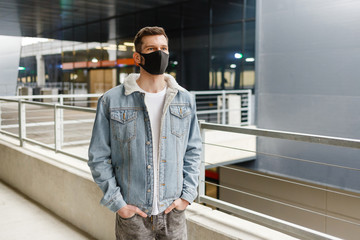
100,159
192,159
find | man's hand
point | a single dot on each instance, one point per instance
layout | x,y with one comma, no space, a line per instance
179,204
129,210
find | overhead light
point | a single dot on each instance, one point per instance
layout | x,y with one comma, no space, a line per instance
122,48
249,59
111,47
232,65
129,44
94,60
175,62
238,55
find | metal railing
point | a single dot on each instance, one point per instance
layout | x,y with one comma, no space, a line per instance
232,107
49,123
63,99
23,114
47,111
274,223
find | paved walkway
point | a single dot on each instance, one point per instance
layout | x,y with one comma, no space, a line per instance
20,218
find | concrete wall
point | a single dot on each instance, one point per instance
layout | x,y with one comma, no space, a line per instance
9,62
314,200
64,186
307,72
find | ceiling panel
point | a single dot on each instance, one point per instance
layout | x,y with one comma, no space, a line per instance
55,18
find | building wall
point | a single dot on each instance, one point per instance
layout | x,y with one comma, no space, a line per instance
308,81
9,62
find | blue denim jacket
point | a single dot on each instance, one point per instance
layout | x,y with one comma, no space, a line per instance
120,152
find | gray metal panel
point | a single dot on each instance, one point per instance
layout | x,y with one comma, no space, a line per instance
9,63
308,80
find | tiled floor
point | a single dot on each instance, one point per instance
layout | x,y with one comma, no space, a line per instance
20,218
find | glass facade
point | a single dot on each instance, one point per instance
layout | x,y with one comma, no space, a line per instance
212,47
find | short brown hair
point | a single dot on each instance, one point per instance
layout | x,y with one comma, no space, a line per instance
147,31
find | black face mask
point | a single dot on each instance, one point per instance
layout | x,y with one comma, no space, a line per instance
155,62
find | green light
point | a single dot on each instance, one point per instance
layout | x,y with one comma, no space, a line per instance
238,55
21,68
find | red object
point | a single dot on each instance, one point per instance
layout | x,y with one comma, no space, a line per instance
69,65
80,64
108,63
212,175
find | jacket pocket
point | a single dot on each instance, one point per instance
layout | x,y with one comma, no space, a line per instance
179,119
123,124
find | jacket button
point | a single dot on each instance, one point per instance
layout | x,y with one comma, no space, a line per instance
148,190
147,143
149,166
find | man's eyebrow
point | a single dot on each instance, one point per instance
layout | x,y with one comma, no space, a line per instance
151,45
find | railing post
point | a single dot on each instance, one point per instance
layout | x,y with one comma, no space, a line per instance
57,128
223,119
61,121
249,107
201,187
22,122
0,115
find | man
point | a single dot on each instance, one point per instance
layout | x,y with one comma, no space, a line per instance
145,147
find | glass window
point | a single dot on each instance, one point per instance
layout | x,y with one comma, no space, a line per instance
169,17
105,30
68,34
53,68
250,8
174,68
145,18
195,13
126,27
227,11
226,56
94,31
196,59
80,33
249,39
226,42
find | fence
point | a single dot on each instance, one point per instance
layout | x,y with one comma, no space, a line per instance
232,107
280,225
49,121
66,129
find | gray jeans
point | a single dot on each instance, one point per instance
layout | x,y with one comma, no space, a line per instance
160,227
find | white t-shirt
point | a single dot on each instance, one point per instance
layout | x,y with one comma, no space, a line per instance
155,104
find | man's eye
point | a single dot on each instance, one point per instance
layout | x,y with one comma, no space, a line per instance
164,48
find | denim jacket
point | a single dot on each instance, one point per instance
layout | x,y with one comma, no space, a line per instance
120,151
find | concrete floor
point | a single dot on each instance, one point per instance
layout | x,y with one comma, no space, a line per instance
21,218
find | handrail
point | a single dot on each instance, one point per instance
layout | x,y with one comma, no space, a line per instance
334,141
268,221
277,224
51,96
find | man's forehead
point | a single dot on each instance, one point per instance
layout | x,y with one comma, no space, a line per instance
154,40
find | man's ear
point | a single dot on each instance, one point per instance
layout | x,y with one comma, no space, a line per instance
137,58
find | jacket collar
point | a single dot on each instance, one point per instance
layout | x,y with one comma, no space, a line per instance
131,85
